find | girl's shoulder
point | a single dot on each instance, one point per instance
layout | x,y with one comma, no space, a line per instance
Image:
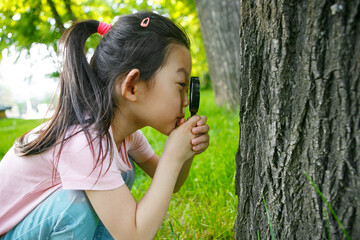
33,134
76,139
136,137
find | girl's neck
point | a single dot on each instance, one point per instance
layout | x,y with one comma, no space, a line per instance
122,126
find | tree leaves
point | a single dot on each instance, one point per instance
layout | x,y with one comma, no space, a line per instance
24,22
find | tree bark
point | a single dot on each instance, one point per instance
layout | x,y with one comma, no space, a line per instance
219,24
299,111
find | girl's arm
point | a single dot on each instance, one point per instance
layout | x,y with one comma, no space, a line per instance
126,219
150,166
117,209
200,143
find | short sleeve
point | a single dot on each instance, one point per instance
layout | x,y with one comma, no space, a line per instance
76,167
140,149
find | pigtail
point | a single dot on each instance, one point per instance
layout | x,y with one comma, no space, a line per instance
81,102
79,82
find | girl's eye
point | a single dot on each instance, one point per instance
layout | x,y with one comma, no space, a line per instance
182,84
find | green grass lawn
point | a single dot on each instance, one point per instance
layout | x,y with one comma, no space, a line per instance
205,207
10,129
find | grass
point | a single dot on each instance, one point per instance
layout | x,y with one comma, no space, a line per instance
205,207
269,220
327,224
10,129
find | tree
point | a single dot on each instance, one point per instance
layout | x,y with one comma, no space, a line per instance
299,111
219,21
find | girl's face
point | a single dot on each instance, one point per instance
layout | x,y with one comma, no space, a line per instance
165,101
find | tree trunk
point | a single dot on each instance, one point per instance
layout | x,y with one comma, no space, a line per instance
219,23
299,111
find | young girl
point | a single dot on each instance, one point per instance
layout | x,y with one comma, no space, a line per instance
63,179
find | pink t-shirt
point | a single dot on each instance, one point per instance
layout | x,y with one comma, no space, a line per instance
26,181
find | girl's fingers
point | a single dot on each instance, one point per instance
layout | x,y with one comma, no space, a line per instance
204,138
179,123
202,121
201,142
200,129
200,147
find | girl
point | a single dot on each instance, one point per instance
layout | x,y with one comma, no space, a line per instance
60,179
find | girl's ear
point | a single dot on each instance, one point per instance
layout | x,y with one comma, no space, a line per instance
129,85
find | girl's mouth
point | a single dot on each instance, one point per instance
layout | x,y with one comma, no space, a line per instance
178,120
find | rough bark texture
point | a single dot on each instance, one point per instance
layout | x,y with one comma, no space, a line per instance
299,111
219,23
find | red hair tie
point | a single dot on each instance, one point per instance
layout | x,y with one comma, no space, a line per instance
103,28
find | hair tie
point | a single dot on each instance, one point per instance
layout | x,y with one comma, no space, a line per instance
103,28
145,22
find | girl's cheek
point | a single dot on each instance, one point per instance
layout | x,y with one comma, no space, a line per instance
184,99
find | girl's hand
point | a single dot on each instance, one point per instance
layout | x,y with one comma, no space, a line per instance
201,142
179,143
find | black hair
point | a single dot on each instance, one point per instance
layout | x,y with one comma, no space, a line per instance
86,90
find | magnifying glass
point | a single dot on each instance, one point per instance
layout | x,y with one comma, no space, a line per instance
194,95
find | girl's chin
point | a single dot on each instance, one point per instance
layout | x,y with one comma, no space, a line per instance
166,130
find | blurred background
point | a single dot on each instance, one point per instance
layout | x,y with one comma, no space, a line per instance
30,31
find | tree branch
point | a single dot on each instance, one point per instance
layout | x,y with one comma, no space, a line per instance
57,17
69,11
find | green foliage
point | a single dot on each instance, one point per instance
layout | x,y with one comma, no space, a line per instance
23,23
205,207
